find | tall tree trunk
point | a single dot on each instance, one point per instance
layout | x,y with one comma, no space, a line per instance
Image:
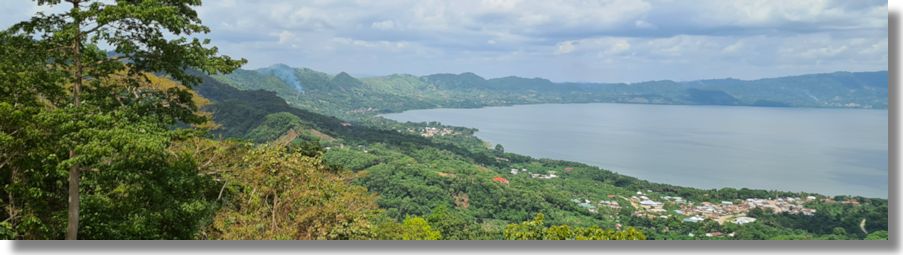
74,175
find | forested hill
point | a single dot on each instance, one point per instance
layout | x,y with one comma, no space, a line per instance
245,114
345,96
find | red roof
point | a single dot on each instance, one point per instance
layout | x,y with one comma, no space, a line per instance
500,179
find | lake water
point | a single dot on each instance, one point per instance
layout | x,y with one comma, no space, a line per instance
828,151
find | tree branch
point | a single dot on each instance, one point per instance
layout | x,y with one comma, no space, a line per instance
221,191
108,60
95,28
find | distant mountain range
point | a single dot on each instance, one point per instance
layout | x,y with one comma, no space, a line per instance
345,96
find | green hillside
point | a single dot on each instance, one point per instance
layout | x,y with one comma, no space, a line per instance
366,97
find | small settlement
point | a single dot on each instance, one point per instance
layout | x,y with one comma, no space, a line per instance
691,212
548,175
432,131
722,212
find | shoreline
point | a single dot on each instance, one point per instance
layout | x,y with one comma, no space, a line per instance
628,103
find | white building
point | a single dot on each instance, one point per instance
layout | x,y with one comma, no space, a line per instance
744,220
648,203
693,219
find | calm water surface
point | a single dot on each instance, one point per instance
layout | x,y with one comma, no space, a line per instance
829,151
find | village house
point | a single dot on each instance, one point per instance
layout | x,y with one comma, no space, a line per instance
743,220
586,204
550,175
648,203
610,204
673,199
693,219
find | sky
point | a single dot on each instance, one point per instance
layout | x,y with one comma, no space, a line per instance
561,40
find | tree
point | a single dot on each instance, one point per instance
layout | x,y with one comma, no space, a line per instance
839,231
528,230
416,228
145,37
877,235
273,126
534,230
129,172
452,223
270,193
22,136
499,148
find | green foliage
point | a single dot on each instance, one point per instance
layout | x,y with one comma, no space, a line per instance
274,125
252,80
337,95
455,224
133,187
877,235
535,230
346,158
416,228
123,149
834,218
528,230
839,231
84,114
269,193
137,188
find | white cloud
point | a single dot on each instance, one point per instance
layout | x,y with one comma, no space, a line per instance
565,47
733,48
286,37
618,47
601,40
499,5
383,25
781,14
644,24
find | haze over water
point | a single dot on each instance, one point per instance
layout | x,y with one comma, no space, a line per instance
828,151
